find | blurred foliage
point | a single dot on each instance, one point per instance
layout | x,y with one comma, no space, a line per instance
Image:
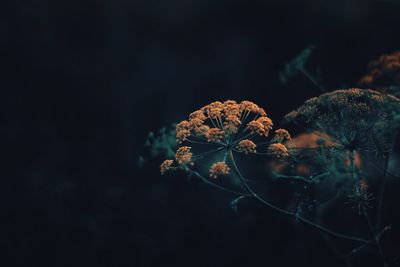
159,145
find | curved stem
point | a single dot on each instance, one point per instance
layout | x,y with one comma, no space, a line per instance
374,237
289,213
309,180
205,180
312,79
206,153
381,196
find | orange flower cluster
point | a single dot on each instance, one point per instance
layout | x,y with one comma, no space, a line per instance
387,66
166,166
229,126
219,168
281,136
261,126
278,150
247,146
220,120
183,155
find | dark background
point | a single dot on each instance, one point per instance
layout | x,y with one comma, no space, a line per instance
84,81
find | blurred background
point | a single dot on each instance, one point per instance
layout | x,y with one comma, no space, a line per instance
84,82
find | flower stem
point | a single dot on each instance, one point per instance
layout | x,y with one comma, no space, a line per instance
289,213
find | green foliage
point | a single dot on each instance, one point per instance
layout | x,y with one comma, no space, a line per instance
159,145
296,65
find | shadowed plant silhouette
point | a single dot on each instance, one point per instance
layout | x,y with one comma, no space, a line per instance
357,132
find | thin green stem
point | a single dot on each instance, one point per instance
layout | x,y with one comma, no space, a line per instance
199,156
381,195
289,213
374,237
205,180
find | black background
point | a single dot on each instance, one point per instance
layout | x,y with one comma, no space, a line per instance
84,81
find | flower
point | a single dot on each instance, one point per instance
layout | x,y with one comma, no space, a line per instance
231,109
202,130
257,127
223,129
247,146
219,122
219,168
198,114
231,124
214,135
281,135
213,110
183,155
247,106
182,136
278,150
261,126
183,125
166,166
267,122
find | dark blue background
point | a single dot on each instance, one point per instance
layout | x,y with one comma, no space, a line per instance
84,81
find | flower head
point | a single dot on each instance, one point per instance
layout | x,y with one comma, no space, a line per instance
247,146
182,136
222,129
214,135
183,155
219,122
278,150
166,166
281,136
219,168
183,125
